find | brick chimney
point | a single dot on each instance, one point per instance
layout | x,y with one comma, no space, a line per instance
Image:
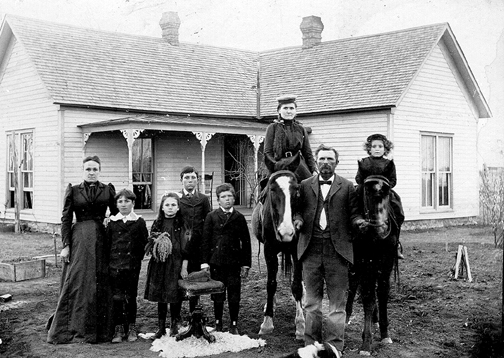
311,27
170,23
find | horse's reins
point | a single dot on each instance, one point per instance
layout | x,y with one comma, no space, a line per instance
374,223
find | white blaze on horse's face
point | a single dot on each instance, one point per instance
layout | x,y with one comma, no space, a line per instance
286,227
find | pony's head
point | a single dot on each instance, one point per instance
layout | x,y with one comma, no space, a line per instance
283,190
376,203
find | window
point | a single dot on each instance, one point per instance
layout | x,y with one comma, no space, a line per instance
142,172
437,171
20,169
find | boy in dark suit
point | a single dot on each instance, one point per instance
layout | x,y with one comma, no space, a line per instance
126,238
226,252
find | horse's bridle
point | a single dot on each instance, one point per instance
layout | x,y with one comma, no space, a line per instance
273,177
370,222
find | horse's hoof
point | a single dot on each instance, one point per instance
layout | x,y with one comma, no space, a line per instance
386,340
267,326
364,353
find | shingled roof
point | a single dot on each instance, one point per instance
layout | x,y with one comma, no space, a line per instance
112,70
107,69
348,74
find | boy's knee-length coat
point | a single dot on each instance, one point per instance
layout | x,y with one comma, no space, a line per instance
342,214
226,241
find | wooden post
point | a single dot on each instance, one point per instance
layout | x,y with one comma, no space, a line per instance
462,258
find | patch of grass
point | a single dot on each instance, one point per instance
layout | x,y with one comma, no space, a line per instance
22,246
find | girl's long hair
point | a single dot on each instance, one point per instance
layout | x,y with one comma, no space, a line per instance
158,223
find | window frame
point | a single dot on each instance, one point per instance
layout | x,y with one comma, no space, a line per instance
19,145
143,182
437,174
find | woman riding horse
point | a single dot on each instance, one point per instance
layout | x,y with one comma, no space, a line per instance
285,139
286,147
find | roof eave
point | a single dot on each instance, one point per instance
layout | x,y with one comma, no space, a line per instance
146,111
466,73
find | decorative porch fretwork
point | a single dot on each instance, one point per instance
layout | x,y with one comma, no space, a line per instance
204,138
130,135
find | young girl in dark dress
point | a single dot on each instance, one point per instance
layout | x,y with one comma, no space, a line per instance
378,146
162,277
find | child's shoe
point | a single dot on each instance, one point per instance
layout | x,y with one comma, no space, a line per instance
174,327
162,329
218,326
233,329
118,334
132,334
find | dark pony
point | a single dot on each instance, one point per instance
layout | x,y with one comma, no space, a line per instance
375,257
276,232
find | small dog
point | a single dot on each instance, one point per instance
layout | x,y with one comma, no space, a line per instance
316,350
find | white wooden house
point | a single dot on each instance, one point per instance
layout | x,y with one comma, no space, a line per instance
148,106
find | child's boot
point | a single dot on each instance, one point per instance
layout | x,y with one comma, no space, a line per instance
118,334
233,328
162,311
132,333
234,308
218,311
173,327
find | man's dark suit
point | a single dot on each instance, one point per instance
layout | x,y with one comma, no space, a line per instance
325,255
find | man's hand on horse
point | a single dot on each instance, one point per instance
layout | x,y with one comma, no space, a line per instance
298,224
244,271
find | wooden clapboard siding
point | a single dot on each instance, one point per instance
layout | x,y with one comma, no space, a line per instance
174,150
112,149
346,133
26,105
435,103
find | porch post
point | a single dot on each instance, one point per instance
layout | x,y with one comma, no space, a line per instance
203,137
256,141
130,135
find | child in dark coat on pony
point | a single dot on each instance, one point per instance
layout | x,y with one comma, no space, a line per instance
378,146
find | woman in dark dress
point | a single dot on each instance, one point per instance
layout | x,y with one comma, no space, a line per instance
286,145
163,276
83,310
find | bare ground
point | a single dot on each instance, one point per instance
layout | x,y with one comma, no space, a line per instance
431,314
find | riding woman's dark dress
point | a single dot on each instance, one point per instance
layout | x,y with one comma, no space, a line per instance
286,139
83,310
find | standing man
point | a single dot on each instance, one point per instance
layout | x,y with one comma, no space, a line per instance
194,207
325,249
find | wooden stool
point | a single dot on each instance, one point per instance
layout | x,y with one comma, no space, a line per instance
196,323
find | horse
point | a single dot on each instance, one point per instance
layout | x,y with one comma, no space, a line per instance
375,257
276,231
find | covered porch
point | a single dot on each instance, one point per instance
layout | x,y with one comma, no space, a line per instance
148,152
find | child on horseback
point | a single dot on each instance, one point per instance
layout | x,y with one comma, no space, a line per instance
226,253
378,147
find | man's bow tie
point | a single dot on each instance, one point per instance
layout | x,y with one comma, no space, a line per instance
328,182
